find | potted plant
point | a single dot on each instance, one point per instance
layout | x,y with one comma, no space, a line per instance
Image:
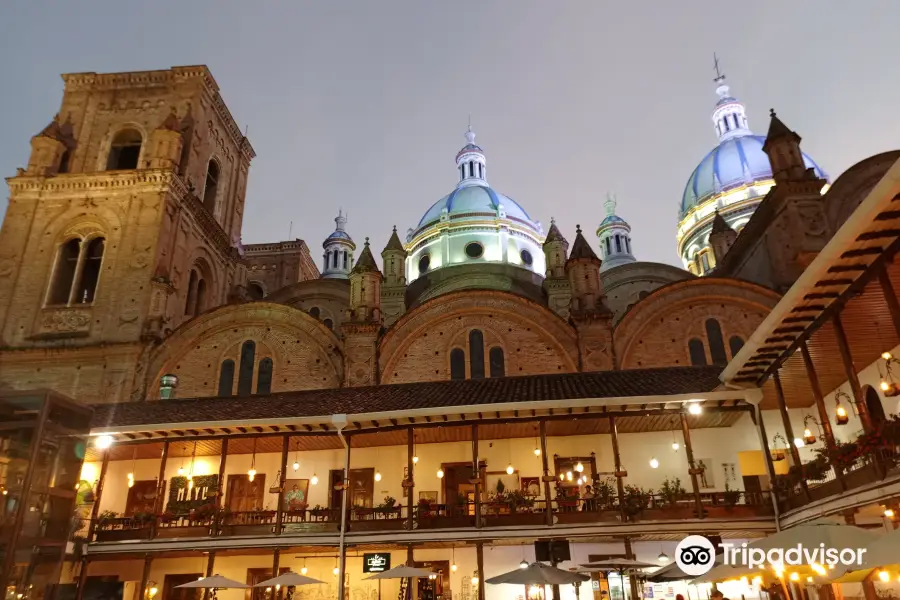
672,491
605,493
387,507
424,508
105,519
731,496
636,500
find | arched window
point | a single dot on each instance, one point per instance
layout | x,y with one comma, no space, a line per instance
874,405
64,273
457,364
245,375
124,151
334,259
64,162
345,259
212,186
226,378
716,342
90,271
314,312
328,323
476,354
255,291
264,378
201,297
697,352
618,244
497,362
190,303
735,343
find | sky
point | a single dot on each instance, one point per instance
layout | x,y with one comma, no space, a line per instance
362,104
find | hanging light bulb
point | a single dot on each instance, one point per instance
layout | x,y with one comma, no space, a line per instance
130,481
695,408
314,479
675,446
523,564
663,557
654,464
841,413
474,579
440,473
887,355
537,451
453,567
808,437
562,476
296,466
377,475
251,474
304,571
415,460
335,570
889,513
579,467
180,471
509,469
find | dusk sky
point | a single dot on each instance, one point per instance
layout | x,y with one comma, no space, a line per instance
363,104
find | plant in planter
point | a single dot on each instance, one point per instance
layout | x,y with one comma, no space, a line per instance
142,519
318,511
672,491
518,501
167,517
605,493
424,508
731,496
105,519
636,500
387,506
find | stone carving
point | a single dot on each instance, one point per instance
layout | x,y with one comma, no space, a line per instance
65,320
141,258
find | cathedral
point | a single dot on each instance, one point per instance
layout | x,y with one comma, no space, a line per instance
501,382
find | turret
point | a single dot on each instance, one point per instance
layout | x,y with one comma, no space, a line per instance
365,288
339,247
583,269
393,292
783,148
721,238
556,284
166,144
363,324
50,149
615,237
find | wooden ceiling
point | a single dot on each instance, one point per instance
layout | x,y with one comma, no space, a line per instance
725,416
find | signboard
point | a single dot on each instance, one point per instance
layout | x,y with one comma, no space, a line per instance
376,562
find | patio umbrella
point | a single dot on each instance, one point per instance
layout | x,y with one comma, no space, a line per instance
289,579
538,574
819,532
214,582
883,551
617,564
401,572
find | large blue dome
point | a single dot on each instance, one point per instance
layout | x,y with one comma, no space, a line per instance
477,201
733,163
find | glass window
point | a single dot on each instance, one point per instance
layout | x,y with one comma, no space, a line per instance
476,354
226,378
124,150
64,275
716,342
245,375
264,378
457,364
697,352
497,362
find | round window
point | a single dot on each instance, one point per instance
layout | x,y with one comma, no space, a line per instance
474,250
424,263
526,257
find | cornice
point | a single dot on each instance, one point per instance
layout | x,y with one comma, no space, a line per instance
153,179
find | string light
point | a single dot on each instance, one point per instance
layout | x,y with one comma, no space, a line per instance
377,475
654,464
440,473
509,469
314,479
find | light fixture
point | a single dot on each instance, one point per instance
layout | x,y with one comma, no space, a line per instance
808,436
304,571
133,467
377,475
887,355
314,479
103,441
562,476
523,564
675,446
695,408
809,579
153,591
440,473
537,451
569,475
474,579
131,480
453,567
335,570
509,469
415,460
663,557
795,576
757,581
579,467
798,442
889,513
180,471
841,416
296,466
251,474
654,464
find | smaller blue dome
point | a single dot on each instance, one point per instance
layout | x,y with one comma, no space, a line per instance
610,219
474,199
339,235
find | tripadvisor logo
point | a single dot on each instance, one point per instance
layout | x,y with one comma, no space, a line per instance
695,555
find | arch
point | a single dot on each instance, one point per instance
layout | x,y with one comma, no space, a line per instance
264,376
716,342
201,296
64,272
226,378
315,312
124,150
211,187
328,323
735,343
190,301
497,362
457,363
697,352
476,354
874,405
245,370
255,290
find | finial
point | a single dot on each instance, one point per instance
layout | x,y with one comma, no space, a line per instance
610,203
719,75
470,135
395,229
578,229
772,113
552,221
367,240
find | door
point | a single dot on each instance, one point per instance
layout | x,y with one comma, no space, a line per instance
171,581
752,489
362,487
335,479
245,495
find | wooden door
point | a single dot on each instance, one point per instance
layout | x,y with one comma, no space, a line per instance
362,487
170,593
142,497
245,495
335,478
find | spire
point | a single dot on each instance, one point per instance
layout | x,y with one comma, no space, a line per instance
340,221
366,262
610,204
777,128
470,162
581,249
719,225
729,116
394,243
555,235
615,237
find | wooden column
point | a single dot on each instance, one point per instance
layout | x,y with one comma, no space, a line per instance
479,556
145,577
632,580
476,476
767,453
210,564
410,481
160,503
850,370
689,451
617,458
95,510
220,485
545,468
890,298
827,431
282,476
82,579
276,560
788,429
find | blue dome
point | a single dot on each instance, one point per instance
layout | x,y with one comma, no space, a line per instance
339,235
733,163
610,219
474,199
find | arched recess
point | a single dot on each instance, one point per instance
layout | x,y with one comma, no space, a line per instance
661,329
534,340
123,148
305,354
874,404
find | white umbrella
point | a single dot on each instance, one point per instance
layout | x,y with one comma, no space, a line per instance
881,552
816,533
214,582
617,564
401,572
722,572
288,579
538,574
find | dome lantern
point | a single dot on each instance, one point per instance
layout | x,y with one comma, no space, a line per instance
339,247
470,162
615,237
729,116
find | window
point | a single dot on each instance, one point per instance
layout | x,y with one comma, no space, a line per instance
526,257
314,312
497,363
245,375
474,250
424,263
64,274
64,162
201,297
608,246
476,354
735,344
704,261
334,259
212,186
618,244
697,352
716,342
124,151
345,258
457,364
190,303
226,378
264,378
328,323
628,245
255,291
90,271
